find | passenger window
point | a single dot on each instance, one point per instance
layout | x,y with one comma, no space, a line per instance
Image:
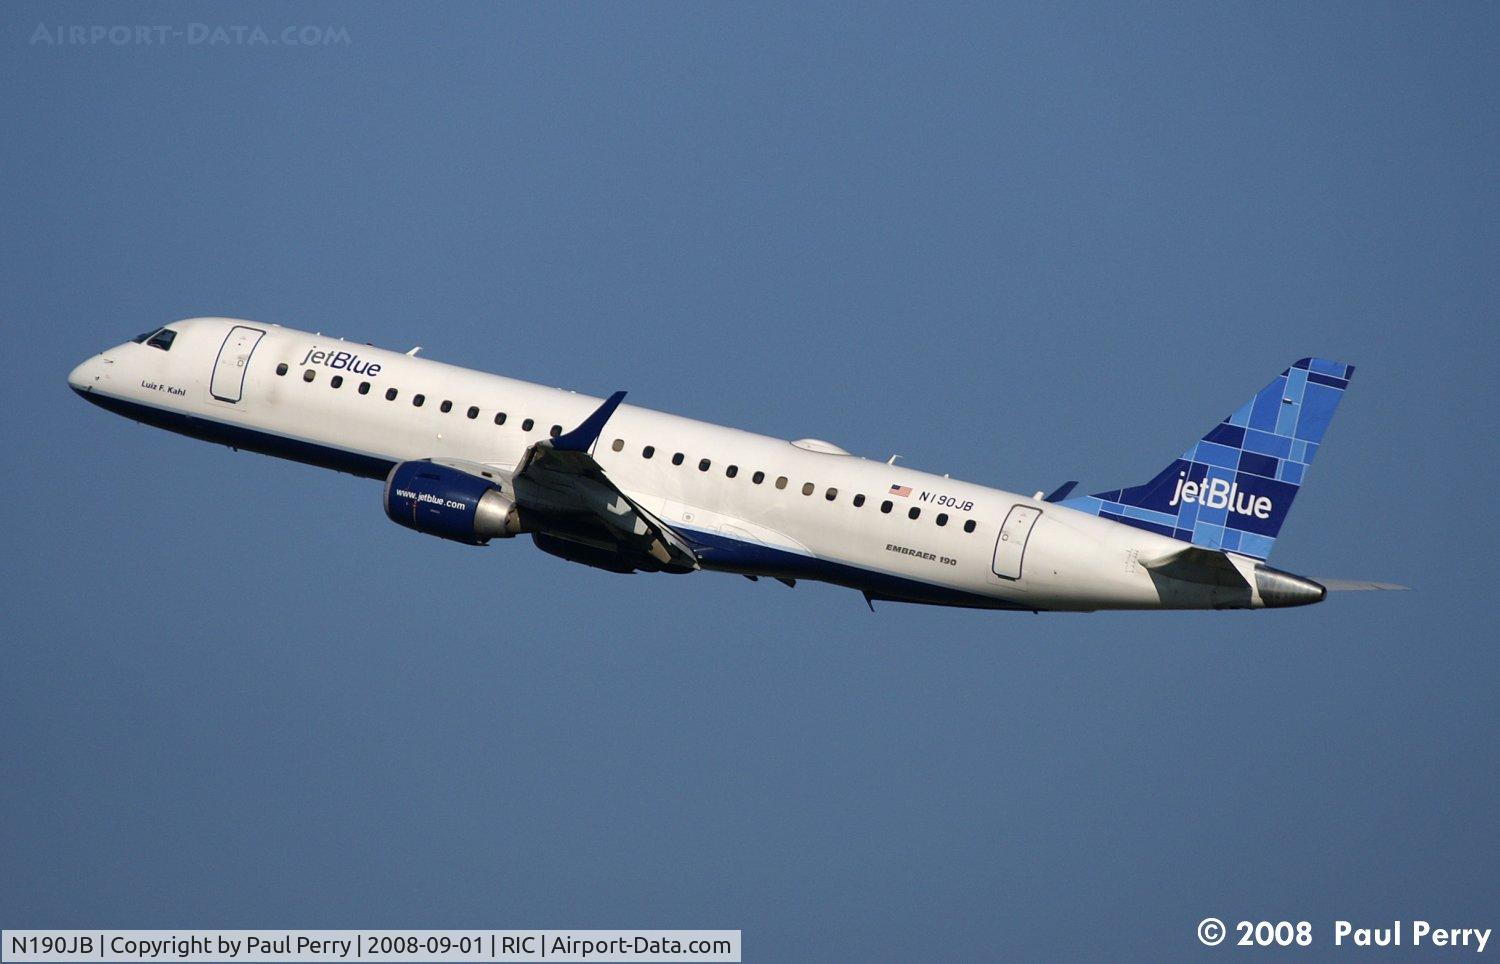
281,369
162,339
969,526
732,471
555,431
942,518
831,494
417,400
336,381
390,394
473,411
648,451
758,478
619,444
308,375
807,488
526,425
913,512
703,465
781,482
499,418
885,506
859,500
364,388
446,407
677,459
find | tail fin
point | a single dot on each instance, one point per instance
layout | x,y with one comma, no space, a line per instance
1233,488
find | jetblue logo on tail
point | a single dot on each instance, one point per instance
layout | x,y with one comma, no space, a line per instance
1220,494
1232,488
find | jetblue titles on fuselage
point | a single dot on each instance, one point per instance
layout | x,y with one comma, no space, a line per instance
339,360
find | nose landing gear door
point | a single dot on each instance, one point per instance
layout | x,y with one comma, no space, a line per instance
228,384
1010,547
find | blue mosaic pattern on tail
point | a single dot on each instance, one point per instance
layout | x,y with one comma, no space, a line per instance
1233,488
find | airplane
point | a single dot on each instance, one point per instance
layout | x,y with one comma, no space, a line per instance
473,457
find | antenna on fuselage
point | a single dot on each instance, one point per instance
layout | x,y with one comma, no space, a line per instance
892,460
413,352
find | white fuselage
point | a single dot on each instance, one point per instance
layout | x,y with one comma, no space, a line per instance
820,514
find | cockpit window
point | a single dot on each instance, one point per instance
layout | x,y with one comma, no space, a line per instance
138,339
162,339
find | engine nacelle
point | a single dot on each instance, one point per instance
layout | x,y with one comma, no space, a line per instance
449,504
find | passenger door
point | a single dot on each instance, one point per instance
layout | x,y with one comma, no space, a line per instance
1010,547
228,383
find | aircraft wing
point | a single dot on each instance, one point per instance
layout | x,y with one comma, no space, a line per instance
557,480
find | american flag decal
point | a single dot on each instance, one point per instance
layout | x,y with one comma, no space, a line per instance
901,490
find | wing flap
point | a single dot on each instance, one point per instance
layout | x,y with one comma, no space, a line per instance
558,480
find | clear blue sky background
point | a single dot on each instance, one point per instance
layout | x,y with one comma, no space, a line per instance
1015,244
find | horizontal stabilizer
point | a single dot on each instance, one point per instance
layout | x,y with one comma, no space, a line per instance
1239,581
1062,491
1359,585
1195,564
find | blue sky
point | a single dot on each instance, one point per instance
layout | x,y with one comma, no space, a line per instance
1018,244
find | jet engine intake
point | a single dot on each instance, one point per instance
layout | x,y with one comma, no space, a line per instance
450,504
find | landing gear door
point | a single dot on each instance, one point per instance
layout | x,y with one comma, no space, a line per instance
1010,547
228,384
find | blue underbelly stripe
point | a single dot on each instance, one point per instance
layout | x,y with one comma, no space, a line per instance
237,436
721,551
717,550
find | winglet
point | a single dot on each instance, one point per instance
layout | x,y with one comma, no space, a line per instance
1061,492
582,438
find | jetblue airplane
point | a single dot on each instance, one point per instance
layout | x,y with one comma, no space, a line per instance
473,457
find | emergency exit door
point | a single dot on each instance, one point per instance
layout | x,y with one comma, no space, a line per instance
1010,548
228,383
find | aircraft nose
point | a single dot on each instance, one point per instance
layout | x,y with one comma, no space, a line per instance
82,378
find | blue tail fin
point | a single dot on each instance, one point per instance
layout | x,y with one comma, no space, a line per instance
1233,488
